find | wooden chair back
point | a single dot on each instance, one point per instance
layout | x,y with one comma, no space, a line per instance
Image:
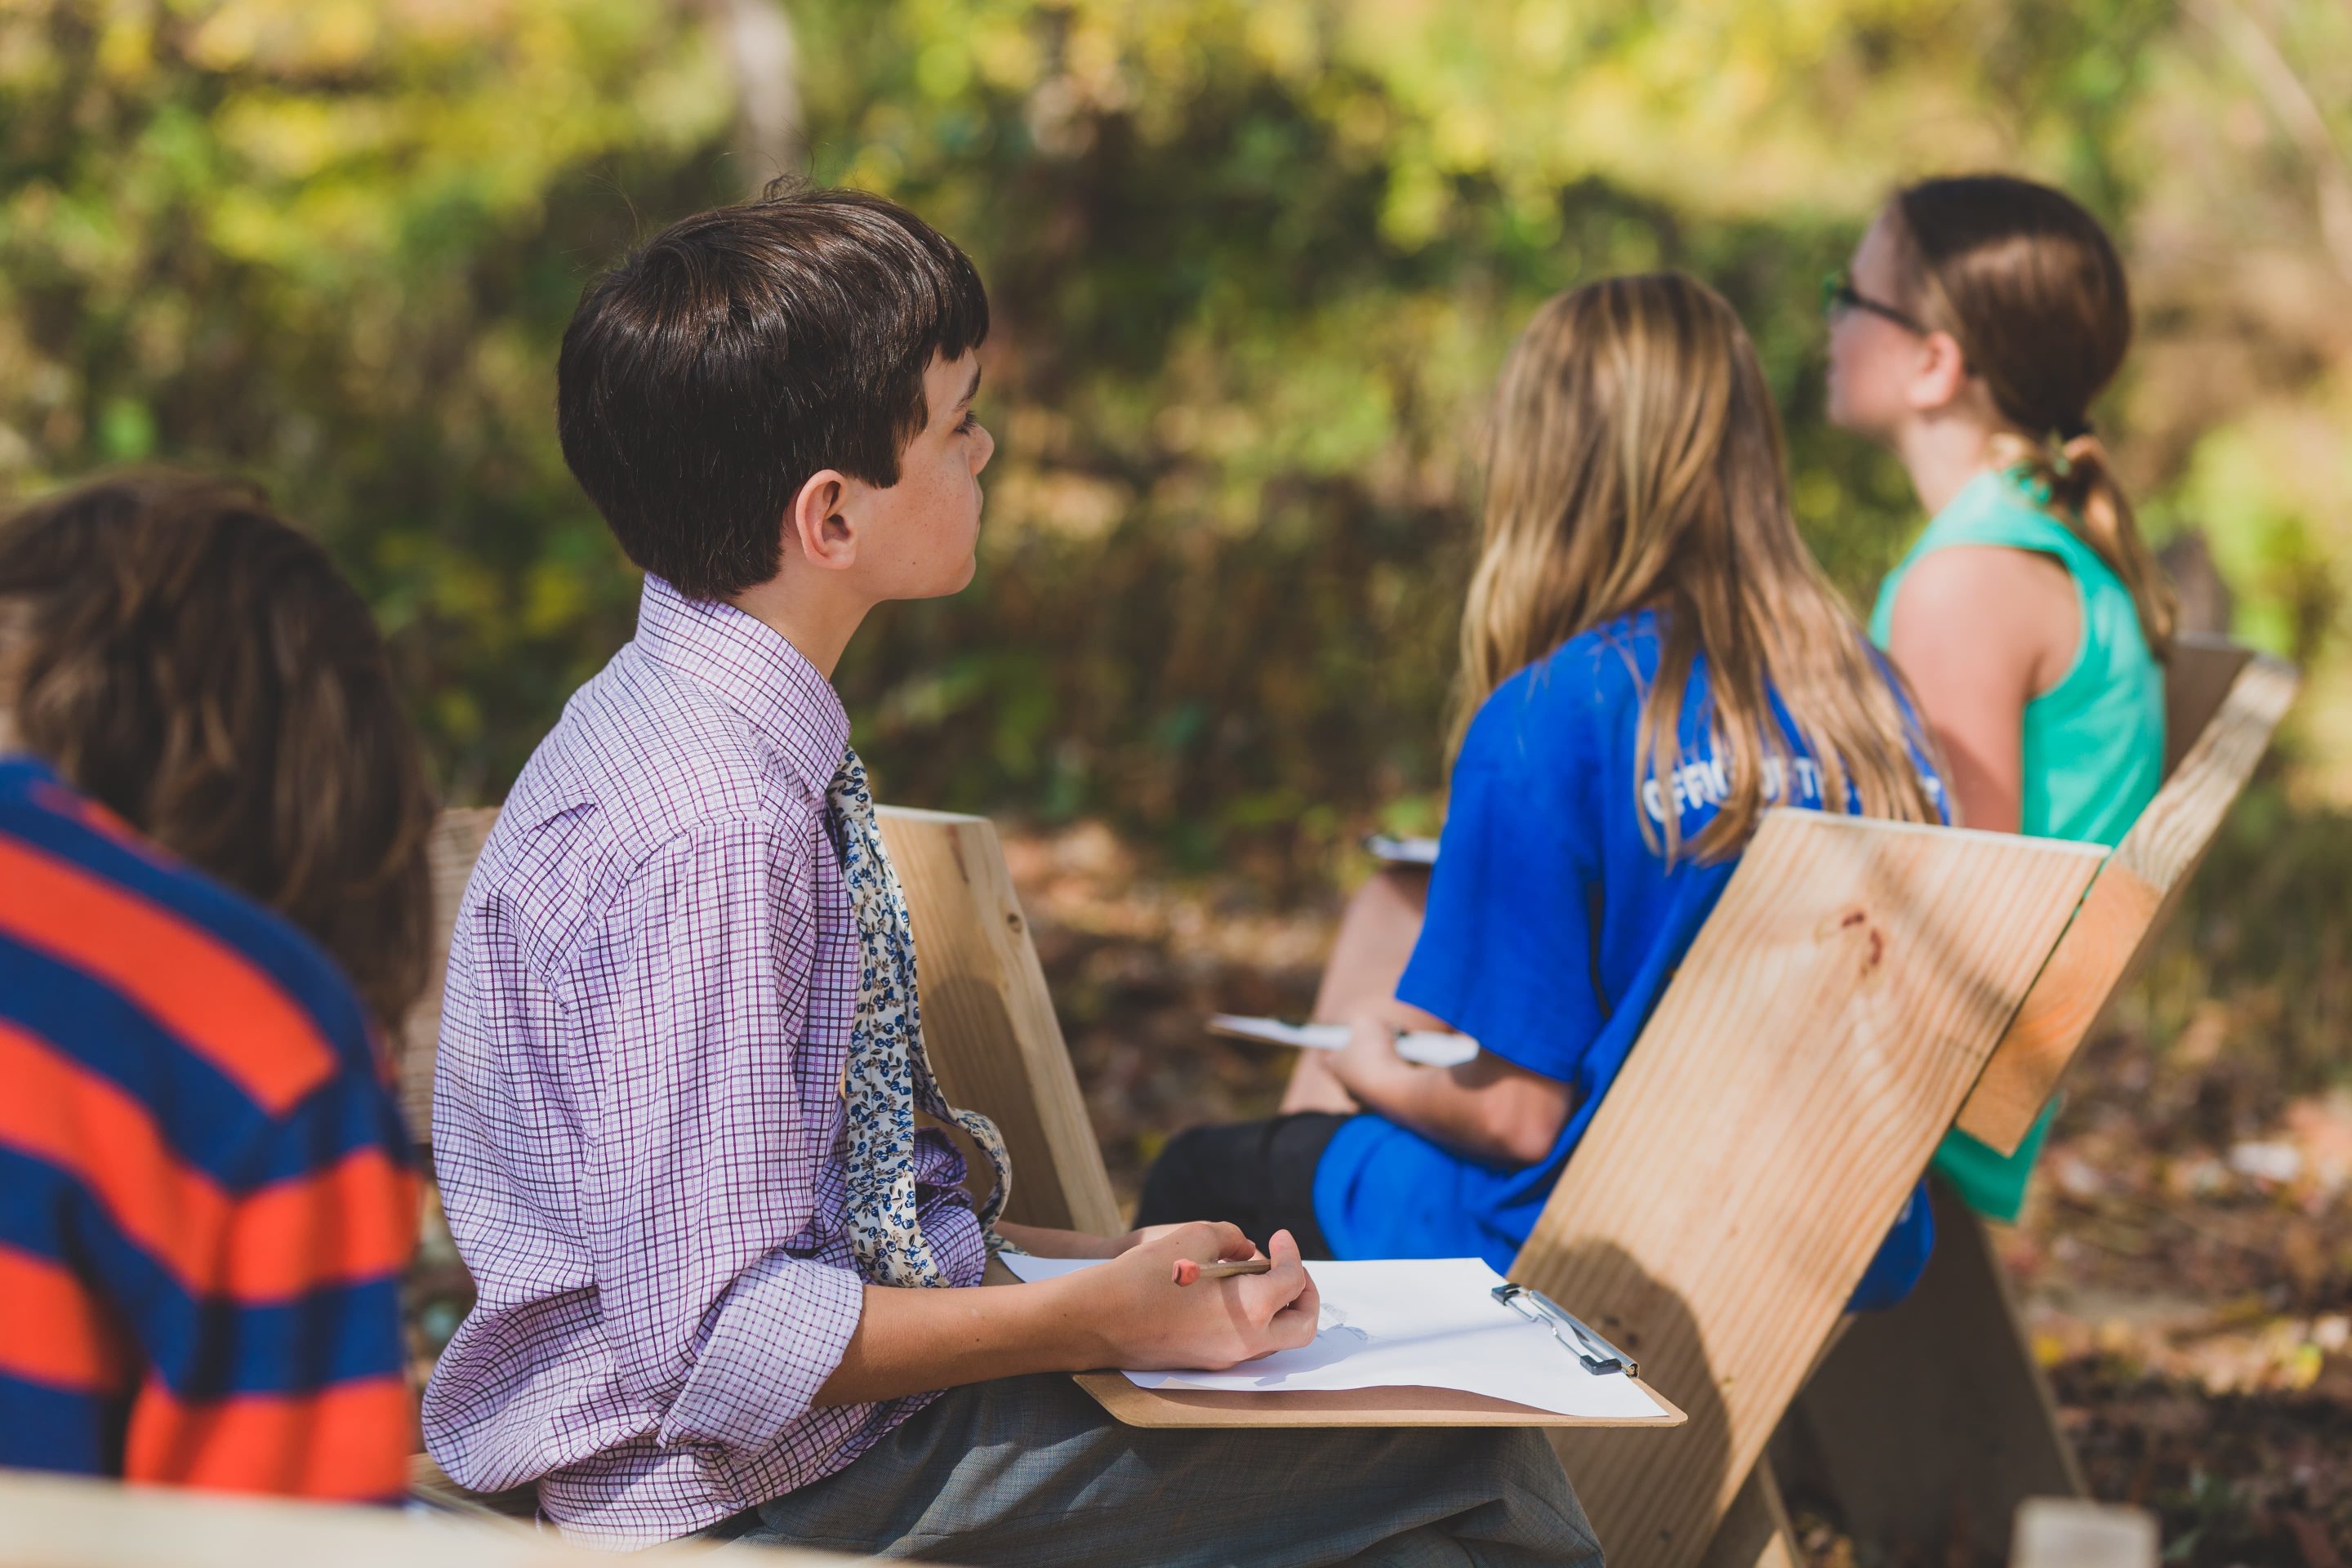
2225,704
989,1021
1767,1127
1930,1424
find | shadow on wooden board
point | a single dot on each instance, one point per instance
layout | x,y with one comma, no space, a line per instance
1649,1321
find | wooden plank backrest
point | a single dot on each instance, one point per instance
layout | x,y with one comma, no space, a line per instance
988,1020
1766,1130
457,838
987,1017
2227,702
58,1521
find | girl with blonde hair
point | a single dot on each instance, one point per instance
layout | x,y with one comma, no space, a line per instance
1978,321
1651,658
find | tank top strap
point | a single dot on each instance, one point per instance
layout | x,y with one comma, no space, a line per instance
2007,508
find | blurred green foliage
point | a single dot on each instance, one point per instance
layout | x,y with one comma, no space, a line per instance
1255,265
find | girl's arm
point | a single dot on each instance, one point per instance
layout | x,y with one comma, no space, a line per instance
1487,1108
1980,631
1376,938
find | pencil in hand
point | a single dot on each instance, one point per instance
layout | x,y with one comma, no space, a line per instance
1188,1271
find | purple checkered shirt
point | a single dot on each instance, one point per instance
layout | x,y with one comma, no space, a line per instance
636,1115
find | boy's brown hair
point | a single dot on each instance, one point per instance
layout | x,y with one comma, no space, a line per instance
705,378
200,667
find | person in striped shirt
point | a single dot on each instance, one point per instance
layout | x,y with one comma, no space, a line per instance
206,1196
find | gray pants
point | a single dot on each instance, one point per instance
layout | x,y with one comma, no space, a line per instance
1030,1470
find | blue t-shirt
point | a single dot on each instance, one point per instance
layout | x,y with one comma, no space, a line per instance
1553,927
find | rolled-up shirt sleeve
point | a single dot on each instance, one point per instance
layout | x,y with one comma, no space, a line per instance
701,1150
773,1339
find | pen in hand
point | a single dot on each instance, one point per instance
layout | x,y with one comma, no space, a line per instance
1187,1271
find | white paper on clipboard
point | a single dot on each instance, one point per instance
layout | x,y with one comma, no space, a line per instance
1430,1049
1430,1323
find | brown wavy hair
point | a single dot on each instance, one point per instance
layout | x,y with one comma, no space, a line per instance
185,657
1636,462
2031,287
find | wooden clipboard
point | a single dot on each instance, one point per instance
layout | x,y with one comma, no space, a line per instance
1134,1406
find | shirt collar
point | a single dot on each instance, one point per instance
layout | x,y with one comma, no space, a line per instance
755,669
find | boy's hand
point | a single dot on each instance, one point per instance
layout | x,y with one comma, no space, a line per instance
1147,1322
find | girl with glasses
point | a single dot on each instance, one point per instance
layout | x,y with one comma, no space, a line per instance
1980,320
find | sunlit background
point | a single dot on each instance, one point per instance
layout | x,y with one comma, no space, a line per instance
1253,267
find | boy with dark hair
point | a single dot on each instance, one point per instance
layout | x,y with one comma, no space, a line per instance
723,1278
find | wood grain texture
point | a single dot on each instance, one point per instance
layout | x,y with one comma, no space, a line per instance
57,1521
1350,1407
2165,845
1933,1422
989,1022
2135,890
457,839
2085,970
1767,1127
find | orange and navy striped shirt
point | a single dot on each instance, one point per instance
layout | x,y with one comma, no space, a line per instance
207,1198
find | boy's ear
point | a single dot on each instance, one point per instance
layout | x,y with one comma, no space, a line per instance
820,523
1943,372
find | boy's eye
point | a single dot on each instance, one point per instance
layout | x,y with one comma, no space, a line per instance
970,423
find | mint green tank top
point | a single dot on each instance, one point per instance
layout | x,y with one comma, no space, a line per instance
2094,743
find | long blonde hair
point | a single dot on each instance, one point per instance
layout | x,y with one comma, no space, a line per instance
1636,462
2031,287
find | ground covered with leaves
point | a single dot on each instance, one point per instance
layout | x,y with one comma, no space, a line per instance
2186,1256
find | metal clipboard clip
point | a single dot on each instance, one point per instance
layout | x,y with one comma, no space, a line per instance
1597,1353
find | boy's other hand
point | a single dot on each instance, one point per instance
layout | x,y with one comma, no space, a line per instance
1147,1322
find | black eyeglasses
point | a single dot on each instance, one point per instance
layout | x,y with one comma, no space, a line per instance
1838,295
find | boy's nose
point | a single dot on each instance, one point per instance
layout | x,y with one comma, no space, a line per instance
986,448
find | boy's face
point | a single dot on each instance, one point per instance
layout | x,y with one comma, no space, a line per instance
918,535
